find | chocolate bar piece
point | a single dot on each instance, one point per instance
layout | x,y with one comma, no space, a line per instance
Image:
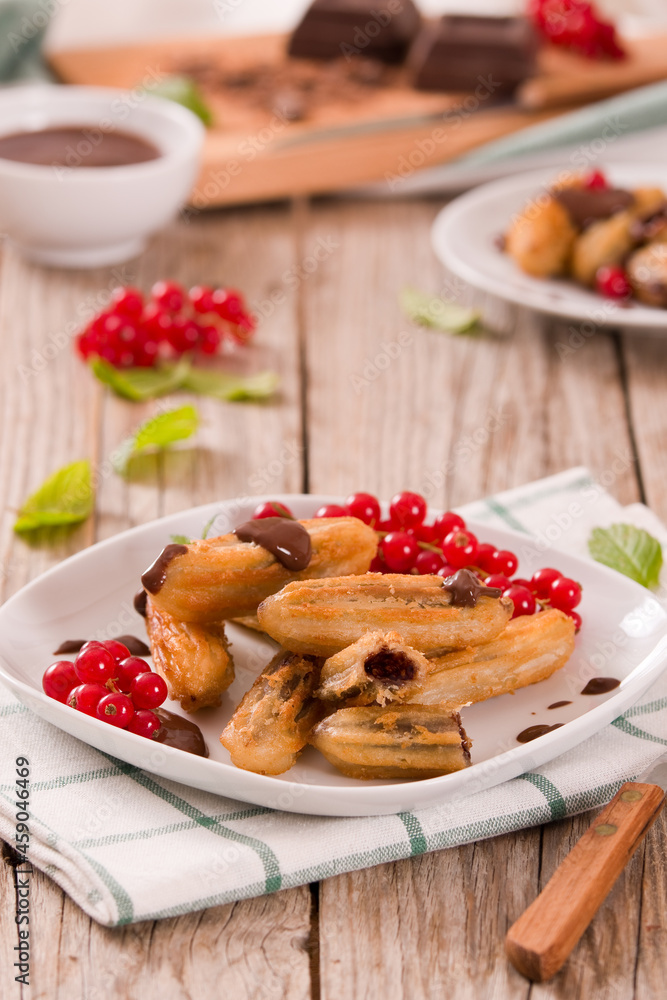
333,28
460,52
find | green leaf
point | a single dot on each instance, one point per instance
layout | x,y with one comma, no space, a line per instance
629,550
208,382
208,526
140,384
185,91
434,312
157,432
66,497
181,539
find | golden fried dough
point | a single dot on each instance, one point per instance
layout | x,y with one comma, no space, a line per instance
324,616
647,271
271,725
219,578
541,238
379,667
604,242
194,660
398,741
530,649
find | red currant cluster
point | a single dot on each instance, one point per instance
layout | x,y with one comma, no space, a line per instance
105,681
133,333
576,25
408,545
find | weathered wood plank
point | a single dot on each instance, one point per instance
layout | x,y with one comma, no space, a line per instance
646,365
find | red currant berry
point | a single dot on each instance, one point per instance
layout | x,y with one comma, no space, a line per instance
228,304
201,297
331,510
429,563
576,618
117,649
148,690
59,680
407,509
210,339
86,697
183,334
364,506
446,523
168,294
383,525
144,723
503,562
520,582
595,181
540,582
460,548
128,669
271,508
156,322
498,580
446,571
94,664
523,600
425,533
484,554
613,282
127,302
377,565
116,709
565,594
400,551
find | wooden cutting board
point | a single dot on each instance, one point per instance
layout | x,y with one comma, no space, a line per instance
350,133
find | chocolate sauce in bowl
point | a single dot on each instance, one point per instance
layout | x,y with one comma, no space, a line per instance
534,732
466,588
601,685
155,576
77,146
181,733
285,539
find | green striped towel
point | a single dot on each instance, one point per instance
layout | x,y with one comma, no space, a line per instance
126,845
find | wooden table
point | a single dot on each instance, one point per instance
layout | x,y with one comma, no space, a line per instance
431,927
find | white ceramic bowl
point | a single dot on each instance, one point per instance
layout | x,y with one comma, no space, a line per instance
95,216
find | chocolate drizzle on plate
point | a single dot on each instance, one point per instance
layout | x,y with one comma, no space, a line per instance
585,206
533,732
466,588
155,576
559,704
137,647
181,733
285,539
140,603
601,685
69,646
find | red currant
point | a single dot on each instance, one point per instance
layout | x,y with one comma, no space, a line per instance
117,649
484,555
429,563
425,533
168,294
126,301
595,181
407,509
400,551
144,723
156,321
210,339
228,304
377,565
364,506
446,523
613,282
148,690
498,580
201,297
523,600
576,618
94,664
130,668
503,562
59,680
520,582
460,548
565,594
86,697
271,508
331,510
446,571
116,709
541,581
183,334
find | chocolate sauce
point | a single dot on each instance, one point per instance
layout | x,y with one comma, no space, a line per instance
390,665
140,603
533,732
155,576
137,647
601,685
77,146
559,704
287,540
69,646
466,588
181,733
585,206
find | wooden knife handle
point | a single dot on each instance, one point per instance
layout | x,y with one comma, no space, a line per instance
544,935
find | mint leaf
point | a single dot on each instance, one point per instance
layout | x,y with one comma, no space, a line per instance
434,312
185,91
207,527
156,433
140,384
208,382
629,550
181,539
66,497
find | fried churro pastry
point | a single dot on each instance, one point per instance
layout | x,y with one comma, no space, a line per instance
194,660
530,649
218,578
541,238
324,616
399,741
271,726
379,667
